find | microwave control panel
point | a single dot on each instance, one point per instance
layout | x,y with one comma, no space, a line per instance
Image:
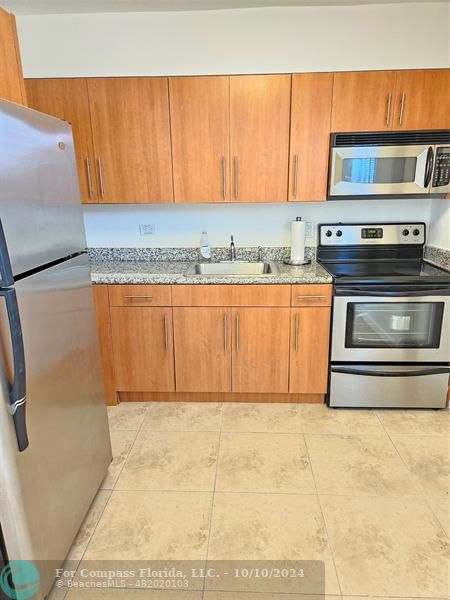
441,176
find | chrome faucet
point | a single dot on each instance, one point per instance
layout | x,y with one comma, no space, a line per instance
232,249
260,254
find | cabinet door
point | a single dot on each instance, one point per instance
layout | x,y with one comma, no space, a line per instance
130,125
11,79
143,349
200,126
260,115
260,355
363,101
68,100
310,135
310,335
423,99
202,339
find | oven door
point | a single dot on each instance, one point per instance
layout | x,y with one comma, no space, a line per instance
391,324
381,170
412,386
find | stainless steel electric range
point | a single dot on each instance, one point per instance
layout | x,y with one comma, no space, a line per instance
391,317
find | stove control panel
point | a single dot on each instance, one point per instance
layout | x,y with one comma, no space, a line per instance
352,234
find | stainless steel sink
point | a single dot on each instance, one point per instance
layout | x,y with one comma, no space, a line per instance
233,269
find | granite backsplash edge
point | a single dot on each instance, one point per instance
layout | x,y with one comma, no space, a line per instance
191,254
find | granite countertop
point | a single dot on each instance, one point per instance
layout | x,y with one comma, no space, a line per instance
172,272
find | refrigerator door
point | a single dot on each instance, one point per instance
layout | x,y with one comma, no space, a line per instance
45,491
39,195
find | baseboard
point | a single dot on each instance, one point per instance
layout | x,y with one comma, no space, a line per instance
219,397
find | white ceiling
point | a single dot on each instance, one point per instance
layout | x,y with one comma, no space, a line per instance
30,7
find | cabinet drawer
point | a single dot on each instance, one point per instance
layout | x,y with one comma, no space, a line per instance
231,295
140,295
311,295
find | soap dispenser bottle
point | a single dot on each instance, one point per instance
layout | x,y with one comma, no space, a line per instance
205,249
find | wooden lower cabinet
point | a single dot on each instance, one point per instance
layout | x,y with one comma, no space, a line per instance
202,340
230,350
310,335
260,351
142,342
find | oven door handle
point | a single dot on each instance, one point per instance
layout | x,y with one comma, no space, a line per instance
405,292
379,372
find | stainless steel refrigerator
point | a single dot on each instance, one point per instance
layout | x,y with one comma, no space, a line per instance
54,437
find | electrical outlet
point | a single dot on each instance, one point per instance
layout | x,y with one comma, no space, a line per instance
309,229
147,229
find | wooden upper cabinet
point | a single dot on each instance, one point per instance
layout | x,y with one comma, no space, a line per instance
200,126
260,118
142,343
202,340
310,336
131,131
260,351
423,99
310,135
68,100
11,77
363,101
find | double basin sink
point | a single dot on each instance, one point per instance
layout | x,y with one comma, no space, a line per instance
233,269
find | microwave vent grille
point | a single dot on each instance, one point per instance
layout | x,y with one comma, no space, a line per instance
392,138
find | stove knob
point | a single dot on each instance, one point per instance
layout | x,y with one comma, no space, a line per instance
416,232
339,233
405,232
328,233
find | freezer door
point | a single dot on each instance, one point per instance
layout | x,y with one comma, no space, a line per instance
39,195
46,490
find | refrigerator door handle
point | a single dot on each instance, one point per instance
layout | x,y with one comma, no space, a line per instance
6,274
17,392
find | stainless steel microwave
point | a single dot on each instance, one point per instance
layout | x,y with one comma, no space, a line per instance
390,164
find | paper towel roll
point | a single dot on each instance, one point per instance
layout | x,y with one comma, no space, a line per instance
297,240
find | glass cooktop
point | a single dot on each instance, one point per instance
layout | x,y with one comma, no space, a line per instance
405,271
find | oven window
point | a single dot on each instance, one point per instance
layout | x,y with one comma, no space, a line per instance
379,170
394,324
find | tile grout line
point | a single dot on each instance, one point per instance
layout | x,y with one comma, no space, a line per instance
323,517
415,478
213,497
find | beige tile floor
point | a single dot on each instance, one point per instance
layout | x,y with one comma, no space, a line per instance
364,491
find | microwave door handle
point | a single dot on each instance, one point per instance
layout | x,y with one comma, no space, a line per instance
428,167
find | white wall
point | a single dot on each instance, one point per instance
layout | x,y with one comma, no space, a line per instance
180,225
397,36
439,233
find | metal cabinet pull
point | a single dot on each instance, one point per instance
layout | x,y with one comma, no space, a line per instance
237,333
89,178
300,297
166,334
388,110
296,333
225,332
224,178
100,173
138,297
294,193
402,108
236,176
